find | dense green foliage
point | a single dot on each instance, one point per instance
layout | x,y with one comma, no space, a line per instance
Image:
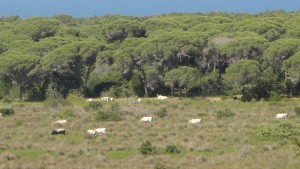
224,113
161,113
281,131
297,111
147,148
94,105
173,149
213,53
107,116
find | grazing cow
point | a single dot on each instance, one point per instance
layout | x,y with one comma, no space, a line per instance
106,99
139,100
92,132
58,131
146,119
90,100
194,121
60,122
160,97
100,130
281,116
111,99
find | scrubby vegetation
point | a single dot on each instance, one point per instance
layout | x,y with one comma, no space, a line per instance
7,111
148,149
297,111
161,113
108,116
224,113
94,106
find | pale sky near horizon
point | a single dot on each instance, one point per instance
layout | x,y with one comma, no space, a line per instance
90,8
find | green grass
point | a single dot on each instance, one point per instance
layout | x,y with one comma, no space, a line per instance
28,154
121,154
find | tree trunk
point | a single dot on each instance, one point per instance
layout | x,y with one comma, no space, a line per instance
172,91
144,79
180,93
21,88
86,78
146,90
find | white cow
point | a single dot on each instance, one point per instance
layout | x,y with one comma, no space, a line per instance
111,99
60,122
92,132
194,121
100,130
90,100
281,116
106,99
146,119
139,100
160,97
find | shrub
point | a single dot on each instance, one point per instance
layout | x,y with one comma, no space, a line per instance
172,149
283,130
202,114
94,106
115,108
19,122
66,114
51,102
159,166
247,97
274,97
148,149
161,113
108,116
7,111
6,100
297,111
224,97
224,113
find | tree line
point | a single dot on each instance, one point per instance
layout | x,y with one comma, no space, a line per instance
255,55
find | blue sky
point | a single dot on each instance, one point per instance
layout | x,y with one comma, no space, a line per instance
89,8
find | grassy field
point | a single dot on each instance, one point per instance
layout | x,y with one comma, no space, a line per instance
235,142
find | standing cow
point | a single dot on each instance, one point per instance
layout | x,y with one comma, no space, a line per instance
58,131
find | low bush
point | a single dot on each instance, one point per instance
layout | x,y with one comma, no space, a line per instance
161,113
224,113
107,116
66,114
173,149
93,106
247,97
159,166
283,130
274,97
202,114
6,100
148,149
297,111
51,102
7,111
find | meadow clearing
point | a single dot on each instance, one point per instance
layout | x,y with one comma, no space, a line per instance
248,137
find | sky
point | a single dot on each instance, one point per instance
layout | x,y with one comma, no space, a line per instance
90,8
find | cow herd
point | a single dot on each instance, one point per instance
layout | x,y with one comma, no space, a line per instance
99,131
